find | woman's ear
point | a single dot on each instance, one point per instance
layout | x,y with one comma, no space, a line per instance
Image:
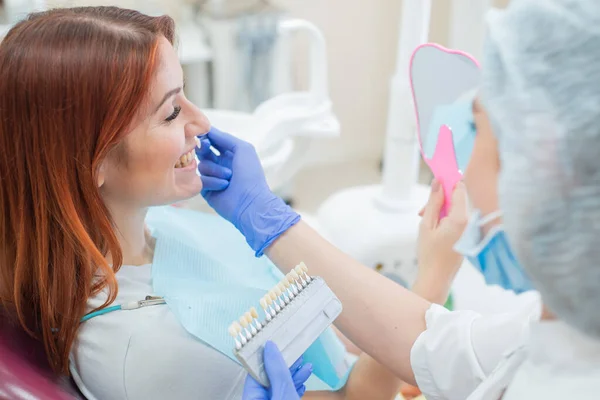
101,174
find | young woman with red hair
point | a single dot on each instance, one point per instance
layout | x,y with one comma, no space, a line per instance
94,130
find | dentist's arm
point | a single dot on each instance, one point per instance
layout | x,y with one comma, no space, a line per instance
368,380
379,316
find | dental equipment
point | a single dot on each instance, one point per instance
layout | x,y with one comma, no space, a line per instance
282,128
132,305
378,224
297,311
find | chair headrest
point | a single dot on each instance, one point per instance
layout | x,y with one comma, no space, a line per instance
24,369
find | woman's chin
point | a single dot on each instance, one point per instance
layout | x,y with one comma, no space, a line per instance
188,189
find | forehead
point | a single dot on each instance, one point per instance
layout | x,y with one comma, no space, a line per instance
169,74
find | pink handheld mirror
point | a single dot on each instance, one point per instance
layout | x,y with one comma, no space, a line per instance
444,83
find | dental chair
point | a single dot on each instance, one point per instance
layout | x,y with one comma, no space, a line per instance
283,128
24,370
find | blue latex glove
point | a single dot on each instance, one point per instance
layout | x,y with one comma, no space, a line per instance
286,384
234,185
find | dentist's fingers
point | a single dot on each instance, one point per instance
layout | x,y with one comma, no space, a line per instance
204,152
211,169
301,391
297,365
302,375
458,210
211,184
431,215
223,141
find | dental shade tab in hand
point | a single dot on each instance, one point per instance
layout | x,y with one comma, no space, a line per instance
444,83
295,317
204,137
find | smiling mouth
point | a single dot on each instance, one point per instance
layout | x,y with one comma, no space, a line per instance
185,159
188,157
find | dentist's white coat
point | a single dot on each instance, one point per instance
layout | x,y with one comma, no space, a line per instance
474,353
484,355
465,355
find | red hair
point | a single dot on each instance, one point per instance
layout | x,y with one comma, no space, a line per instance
71,83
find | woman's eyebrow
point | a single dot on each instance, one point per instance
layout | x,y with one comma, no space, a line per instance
170,93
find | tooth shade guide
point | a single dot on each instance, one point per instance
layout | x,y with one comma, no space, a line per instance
304,270
232,331
291,282
248,318
283,290
263,303
238,328
300,323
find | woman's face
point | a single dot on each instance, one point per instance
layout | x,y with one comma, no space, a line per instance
481,175
155,164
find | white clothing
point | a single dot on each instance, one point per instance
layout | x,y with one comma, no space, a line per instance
561,363
460,350
116,366
471,292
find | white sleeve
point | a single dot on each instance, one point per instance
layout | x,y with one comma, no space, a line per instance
459,349
471,292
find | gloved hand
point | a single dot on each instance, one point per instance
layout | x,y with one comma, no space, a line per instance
234,185
286,384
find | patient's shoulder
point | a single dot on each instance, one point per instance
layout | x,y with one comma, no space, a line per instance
146,353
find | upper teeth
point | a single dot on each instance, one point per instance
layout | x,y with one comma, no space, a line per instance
185,159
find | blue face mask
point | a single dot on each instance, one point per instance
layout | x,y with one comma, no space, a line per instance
492,254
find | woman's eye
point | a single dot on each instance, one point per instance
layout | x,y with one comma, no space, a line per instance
176,112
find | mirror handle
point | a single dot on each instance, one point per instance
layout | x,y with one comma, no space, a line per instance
444,166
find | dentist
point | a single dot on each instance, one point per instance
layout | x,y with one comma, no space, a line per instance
540,74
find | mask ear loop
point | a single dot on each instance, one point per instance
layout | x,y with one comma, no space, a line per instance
490,217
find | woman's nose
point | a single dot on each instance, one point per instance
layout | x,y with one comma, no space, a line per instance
199,125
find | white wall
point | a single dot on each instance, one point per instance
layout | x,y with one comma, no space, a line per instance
361,42
361,37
